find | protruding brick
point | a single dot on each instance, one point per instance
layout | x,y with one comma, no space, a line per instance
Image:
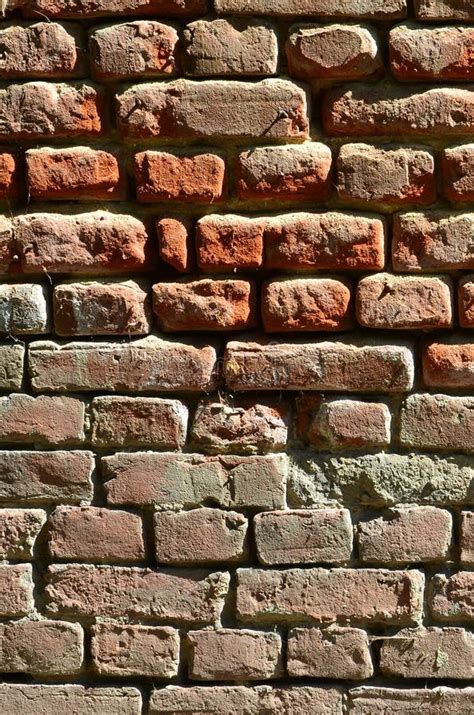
200,536
457,167
437,422
357,595
51,699
16,590
42,49
332,52
341,653
81,9
321,366
11,182
425,53
228,654
466,302
42,648
11,366
404,302
128,651
451,597
23,309
79,173
174,596
304,536
19,529
230,47
444,10
406,535
145,365
466,538
143,48
370,700
385,109
213,109
449,364
174,244
373,9
225,243
349,424
41,420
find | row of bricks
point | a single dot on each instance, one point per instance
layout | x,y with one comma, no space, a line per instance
371,177
147,49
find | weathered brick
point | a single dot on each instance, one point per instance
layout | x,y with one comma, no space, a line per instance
41,647
457,167
200,536
225,243
404,302
466,538
186,480
42,419
174,243
101,308
321,366
174,596
349,424
42,477
378,701
79,173
138,422
42,49
95,534
373,9
204,305
392,110
148,364
52,699
298,171
143,48
23,309
449,364
236,47
11,181
304,536
127,651
249,427
11,366
428,653
80,9
332,52
444,10
437,422
8,246
406,535
466,301
451,597
306,304
357,595
341,653
19,529
16,590
213,109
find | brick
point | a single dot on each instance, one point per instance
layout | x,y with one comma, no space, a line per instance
466,302
449,364
174,244
304,536
228,654
101,308
8,246
162,176
204,305
95,534
404,302
45,477
306,304
41,647
175,597
172,481
42,49
143,48
23,309
128,651
451,597
425,53
299,171
200,536
138,422
373,9
406,535
11,181
80,9
332,52
466,538
377,701
386,109
244,428
385,178
78,174
145,365
51,699
213,109
366,596
321,366
457,167
16,590
428,653
19,529
444,10
41,420
37,110
341,653
225,243
349,424
11,366
236,47
437,422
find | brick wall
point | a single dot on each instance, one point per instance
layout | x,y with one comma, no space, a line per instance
236,359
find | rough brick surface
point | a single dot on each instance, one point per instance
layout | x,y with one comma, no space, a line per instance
42,49
41,648
16,590
341,653
41,420
124,651
348,424
23,309
451,597
457,167
348,8
437,422
467,537
92,8
47,699
19,529
432,53
449,364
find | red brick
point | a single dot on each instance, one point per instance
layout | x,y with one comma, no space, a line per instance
42,49
466,540
332,52
41,648
457,167
52,699
437,422
11,180
200,536
444,10
11,366
379,701
19,529
466,302
228,654
79,173
41,420
174,244
348,424
128,651
16,590
341,653
162,176
214,109
367,596
449,364
81,9
225,243
303,536
23,309
175,596
299,171
373,9
406,535
451,597
145,365
392,110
